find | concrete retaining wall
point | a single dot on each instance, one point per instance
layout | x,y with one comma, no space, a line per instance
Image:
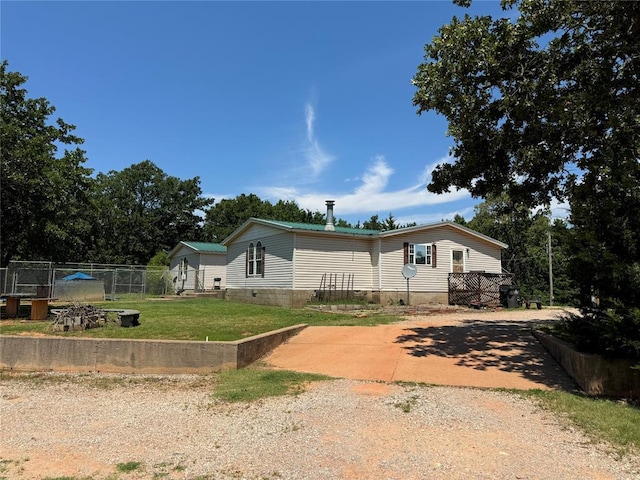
24,353
594,374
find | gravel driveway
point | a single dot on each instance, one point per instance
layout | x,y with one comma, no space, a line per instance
339,429
83,426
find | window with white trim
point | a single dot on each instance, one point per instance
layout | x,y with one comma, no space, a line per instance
255,260
420,254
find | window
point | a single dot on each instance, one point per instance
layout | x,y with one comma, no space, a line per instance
420,254
259,258
183,268
255,260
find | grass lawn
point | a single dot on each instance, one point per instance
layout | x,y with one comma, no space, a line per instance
616,422
199,318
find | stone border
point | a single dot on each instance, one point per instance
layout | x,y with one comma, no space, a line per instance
50,353
595,375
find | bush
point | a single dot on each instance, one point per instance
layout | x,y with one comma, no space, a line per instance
614,332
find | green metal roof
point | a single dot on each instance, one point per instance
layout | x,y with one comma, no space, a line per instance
316,227
207,247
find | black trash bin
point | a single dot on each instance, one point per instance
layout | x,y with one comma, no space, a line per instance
510,296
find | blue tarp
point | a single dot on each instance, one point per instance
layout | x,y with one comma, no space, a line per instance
78,276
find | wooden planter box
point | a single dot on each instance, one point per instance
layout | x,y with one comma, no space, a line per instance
595,375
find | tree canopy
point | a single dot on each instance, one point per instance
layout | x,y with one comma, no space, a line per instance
142,211
54,210
228,214
535,100
43,193
544,104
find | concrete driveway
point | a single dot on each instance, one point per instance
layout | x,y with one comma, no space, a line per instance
468,348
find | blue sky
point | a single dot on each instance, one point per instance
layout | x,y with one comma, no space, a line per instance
303,101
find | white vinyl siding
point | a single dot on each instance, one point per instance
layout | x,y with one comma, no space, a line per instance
375,264
317,255
482,256
256,232
297,260
278,265
208,265
214,266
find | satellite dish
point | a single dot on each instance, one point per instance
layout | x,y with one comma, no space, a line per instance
409,270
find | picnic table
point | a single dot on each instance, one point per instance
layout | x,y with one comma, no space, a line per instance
39,305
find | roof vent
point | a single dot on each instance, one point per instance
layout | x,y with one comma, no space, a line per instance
329,226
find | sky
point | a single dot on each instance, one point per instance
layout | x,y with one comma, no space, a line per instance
303,101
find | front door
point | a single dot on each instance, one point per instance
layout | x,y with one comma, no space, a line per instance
457,261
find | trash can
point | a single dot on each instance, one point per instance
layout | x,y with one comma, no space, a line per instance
510,296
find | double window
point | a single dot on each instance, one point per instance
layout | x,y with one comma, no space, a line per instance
255,260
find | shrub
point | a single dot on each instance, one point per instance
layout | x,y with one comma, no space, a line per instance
614,332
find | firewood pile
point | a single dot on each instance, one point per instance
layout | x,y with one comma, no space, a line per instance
79,317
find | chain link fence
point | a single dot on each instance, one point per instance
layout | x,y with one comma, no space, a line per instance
84,280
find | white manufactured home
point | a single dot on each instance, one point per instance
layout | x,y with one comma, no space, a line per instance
198,266
284,263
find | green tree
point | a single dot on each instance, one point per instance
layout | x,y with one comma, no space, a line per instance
141,210
160,259
545,104
229,214
605,213
43,194
531,98
373,223
459,219
527,256
389,223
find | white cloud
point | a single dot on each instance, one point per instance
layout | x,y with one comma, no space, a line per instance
362,195
317,159
370,196
435,217
375,178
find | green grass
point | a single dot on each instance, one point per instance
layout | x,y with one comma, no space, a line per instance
128,466
244,385
615,422
253,383
197,319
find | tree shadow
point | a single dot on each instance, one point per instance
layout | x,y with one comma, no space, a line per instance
508,346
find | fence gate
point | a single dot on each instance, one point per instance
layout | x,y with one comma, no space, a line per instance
477,288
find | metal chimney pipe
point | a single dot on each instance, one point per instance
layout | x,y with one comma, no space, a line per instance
329,226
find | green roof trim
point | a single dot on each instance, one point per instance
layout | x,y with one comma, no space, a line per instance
317,227
206,247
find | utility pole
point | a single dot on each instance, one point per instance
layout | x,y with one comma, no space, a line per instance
550,270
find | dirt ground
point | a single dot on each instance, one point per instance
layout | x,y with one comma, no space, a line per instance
364,426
